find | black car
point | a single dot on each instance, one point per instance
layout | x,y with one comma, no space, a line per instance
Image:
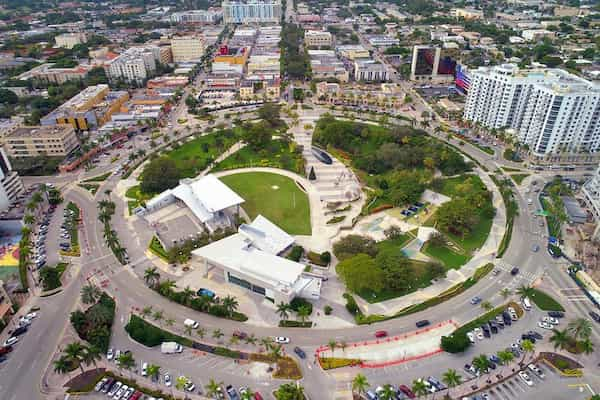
529,337
300,352
422,323
507,318
19,331
535,334
556,314
595,316
514,271
493,327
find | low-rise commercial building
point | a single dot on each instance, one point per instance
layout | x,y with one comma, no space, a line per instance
317,38
46,73
352,51
167,82
34,141
70,40
534,35
383,41
210,16
90,108
325,65
370,71
466,13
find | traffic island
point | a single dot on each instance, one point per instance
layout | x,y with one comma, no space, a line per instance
384,352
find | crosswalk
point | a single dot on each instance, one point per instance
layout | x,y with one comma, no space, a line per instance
573,294
513,282
343,385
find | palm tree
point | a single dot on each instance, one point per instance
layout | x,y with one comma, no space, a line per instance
126,361
250,339
247,395
28,219
169,321
360,384
187,329
213,387
153,371
276,350
580,328
481,364
75,353
560,339
201,332
342,345
525,291
146,311
217,334
91,355
283,310
505,292
587,346
151,276
186,295
62,365
486,305
528,347
90,293
303,312
332,345
451,378
267,342
158,315
231,304
234,340
387,393
419,388
180,382
505,357
166,288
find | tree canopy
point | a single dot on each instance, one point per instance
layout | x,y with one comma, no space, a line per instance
159,175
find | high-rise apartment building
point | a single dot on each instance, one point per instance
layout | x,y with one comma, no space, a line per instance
10,183
187,48
550,110
591,193
134,65
210,16
251,11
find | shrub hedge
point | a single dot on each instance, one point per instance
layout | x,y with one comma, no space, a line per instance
150,335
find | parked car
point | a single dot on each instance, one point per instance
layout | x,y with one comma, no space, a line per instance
471,337
114,389
514,271
232,393
10,341
381,334
281,339
536,370
110,354
100,384
108,385
407,391
545,325
525,377
550,320
594,316
556,314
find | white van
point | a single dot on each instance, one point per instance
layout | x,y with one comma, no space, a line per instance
526,304
192,323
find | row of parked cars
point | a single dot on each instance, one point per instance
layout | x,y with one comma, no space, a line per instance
525,375
401,391
21,329
493,326
412,209
117,390
69,222
39,250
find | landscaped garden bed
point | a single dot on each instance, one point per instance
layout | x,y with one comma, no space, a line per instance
94,325
334,362
564,365
544,301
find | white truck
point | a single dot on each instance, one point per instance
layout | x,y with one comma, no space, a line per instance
171,347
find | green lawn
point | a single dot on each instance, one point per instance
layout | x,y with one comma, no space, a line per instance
277,155
446,256
396,243
194,156
137,197
452,186
518,178
545,302
276,197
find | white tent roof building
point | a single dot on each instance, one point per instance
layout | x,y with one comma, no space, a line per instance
207,197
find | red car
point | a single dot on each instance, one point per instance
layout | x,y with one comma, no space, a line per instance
380,334
406,390
257,396
136,395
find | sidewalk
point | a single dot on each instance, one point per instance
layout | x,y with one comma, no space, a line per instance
486,254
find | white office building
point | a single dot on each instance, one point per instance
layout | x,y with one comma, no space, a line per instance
370,71
134,65
251,259
550,110
251,11
187,48
210,16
